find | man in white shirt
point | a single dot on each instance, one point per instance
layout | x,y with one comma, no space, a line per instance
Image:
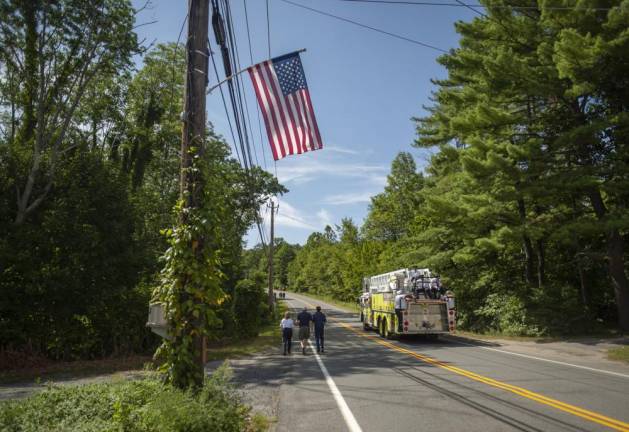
287,332
400,305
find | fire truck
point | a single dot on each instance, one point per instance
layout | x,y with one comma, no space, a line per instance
427,308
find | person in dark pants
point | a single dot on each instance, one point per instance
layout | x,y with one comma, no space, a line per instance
400,306
319,321
287,332
304,319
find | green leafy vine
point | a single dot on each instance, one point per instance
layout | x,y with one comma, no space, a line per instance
190,283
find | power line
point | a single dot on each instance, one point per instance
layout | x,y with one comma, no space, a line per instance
235,88
476,5
174,62
500,23
471,8
268,28
268,41
240,90
356,23
231,128
226,40
241,111
244,2
229,65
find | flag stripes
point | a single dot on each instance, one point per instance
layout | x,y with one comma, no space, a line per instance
286,106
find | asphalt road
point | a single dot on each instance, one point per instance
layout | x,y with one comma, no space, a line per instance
444,385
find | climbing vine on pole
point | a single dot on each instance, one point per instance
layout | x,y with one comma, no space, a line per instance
189,287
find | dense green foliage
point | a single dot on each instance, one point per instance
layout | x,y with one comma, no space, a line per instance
143,405
528,191
523,208
90,226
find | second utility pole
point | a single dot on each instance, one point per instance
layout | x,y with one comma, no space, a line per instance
271,296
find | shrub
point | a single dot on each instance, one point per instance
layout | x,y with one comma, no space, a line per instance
146,405
248,307
506,314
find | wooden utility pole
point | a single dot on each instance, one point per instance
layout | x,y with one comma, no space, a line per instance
194,98
271,296
193,134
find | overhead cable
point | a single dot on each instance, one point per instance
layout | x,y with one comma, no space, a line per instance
268,41
225,38
243,110
356,23
476,5
268,28
244,2
231,128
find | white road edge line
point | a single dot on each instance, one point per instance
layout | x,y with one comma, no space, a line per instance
545,360
349,418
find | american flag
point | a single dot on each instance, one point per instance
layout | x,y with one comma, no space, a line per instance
282,93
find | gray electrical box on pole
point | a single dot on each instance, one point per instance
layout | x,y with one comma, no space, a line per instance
157,321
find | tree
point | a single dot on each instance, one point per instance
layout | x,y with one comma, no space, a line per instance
390,211
77,274
533,139
523,207
284,254
56,49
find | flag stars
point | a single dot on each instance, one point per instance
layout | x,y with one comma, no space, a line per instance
290,75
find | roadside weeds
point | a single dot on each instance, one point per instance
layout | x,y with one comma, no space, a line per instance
53,371
619,354
268,337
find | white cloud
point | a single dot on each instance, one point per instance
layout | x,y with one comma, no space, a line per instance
310,170
348,198
378,180
289,216
342,150
324,217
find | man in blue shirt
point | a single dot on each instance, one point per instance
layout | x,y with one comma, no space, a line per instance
319,321
304,318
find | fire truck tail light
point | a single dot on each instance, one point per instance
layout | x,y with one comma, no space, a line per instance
451,323
405,328
405,323
451,312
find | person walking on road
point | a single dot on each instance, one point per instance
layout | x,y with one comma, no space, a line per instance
319,320
304,319
287,332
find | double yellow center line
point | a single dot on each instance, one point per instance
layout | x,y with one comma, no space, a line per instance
571,409
557,404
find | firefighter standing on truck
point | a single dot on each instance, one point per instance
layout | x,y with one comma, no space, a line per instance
400,305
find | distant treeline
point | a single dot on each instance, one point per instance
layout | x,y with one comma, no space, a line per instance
89,177
523,208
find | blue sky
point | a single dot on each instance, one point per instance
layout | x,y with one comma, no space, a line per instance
365,88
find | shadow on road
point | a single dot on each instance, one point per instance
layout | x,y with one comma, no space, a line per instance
361,364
